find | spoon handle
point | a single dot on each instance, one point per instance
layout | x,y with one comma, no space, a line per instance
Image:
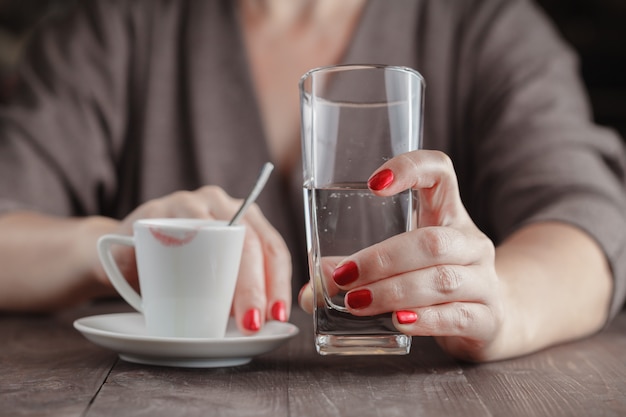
256,190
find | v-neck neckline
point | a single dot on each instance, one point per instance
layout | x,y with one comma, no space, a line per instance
252,89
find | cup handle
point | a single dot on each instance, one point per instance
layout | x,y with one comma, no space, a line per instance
113,272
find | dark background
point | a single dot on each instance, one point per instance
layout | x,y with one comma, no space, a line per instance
596,29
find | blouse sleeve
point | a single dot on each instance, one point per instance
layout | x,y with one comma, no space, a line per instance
538,155
65,122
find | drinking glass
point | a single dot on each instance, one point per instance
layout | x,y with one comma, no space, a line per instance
354,118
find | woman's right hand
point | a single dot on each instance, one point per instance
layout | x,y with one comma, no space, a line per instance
263,289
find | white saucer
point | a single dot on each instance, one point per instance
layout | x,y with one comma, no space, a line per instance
126,334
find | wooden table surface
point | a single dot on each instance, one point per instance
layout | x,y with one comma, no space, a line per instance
47,368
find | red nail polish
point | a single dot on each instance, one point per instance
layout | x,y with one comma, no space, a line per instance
279,312
359,298
252,320
346,273
406,317
381,180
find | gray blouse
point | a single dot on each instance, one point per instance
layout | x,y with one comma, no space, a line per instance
124,101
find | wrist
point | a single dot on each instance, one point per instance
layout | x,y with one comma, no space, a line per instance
89,231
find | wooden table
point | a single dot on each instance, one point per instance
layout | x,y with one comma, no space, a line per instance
49,369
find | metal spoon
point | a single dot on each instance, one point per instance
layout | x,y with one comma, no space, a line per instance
254,193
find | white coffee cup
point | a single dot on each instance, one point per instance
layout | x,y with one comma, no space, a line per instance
187,274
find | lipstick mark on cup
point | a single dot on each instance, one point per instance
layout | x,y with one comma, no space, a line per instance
173,239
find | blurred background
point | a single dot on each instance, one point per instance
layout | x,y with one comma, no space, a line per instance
17,19
596,28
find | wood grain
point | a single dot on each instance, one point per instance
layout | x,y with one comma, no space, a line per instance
48,369
295,381
414,385
585,378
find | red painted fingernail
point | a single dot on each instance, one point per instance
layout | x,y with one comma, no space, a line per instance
279,312
381,180
359,298
346,273
252,320
406,317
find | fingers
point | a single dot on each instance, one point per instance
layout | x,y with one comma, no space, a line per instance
473,321
263,290
305,298
206,202
432,286
438,279
266,272
409,272
249,302
413,251
433,175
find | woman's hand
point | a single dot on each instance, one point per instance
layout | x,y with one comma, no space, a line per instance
548,282
263,289
439,279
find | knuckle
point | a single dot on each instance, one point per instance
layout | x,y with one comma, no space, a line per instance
276,248
255,210
248,288
184,198
488,247
462,319
254,214
251,243
216,194
447,279
211,190
220,203
395,294
443,159
151,208
436,242
431,319
382,259
454,319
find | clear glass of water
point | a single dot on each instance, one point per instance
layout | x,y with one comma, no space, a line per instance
354,118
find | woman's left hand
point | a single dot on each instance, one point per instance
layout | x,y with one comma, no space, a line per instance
439,279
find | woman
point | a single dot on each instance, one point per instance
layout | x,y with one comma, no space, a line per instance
128,110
